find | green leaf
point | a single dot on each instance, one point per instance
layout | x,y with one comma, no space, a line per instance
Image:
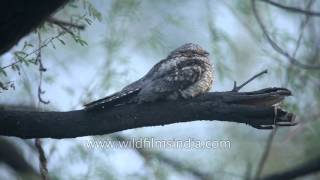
21,56
78,39
20,53
2,71
82,42
32,61
89,21
61,41
26,45
52,44
15,67
73,5
94,12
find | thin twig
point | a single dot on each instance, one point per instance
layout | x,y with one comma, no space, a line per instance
266,152
41,70
43,160
292,9
36,50
303,25
302,28
42,157
65,29
275,46
65,23
237,88
46,42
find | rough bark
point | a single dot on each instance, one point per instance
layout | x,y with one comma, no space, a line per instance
253,108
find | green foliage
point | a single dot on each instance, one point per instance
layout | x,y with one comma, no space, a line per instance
3,72
92,11
147,30
78,39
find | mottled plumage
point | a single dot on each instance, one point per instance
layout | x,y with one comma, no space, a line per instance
185,73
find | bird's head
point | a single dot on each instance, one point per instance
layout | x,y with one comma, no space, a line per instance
189,49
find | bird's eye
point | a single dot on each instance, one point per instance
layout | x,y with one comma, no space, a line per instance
199,52
205,53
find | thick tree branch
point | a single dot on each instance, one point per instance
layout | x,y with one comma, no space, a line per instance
253,108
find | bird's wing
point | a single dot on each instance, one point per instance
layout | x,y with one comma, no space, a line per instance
174,80
112,100
184,74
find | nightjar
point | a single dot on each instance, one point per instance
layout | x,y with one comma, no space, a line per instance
185,73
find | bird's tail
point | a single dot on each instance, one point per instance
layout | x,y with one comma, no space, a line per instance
115,99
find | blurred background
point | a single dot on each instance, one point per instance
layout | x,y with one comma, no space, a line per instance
118,41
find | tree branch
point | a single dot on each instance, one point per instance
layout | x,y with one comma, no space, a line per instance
62,23
276,47
292,9
266,153
253,108
42,159
237,88
44,44
41,70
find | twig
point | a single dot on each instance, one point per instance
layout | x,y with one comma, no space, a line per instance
65,23
42,157
66,29
36,50
43,160
303,25
265,154
275,46
302,28
237,88
41,70
46,42
292,9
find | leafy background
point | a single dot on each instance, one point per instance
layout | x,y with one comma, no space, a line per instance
123,39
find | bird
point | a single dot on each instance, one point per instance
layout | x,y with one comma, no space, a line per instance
185,73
